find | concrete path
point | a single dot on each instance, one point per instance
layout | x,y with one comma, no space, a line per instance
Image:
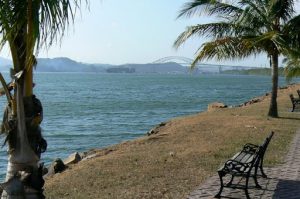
283,182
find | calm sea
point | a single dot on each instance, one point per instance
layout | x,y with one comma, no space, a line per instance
84,111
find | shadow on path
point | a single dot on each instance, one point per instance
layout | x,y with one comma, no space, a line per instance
287,189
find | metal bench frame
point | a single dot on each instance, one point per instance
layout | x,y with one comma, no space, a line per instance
242,165
295,101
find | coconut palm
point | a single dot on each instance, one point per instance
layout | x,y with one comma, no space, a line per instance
27,26
244,28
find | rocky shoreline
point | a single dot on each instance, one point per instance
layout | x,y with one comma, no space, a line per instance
59,165
177,155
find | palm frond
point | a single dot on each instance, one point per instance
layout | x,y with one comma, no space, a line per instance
269,41
292,70
55,17
292,31
210,7
292,64
292,26
254,16
223,9
49,19
283,9
214,30
226,48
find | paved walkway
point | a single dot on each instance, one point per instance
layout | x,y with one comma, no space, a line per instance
283,182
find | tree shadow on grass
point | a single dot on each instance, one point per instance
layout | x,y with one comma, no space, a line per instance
289,118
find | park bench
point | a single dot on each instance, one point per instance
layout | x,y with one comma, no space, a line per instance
294,101
245,163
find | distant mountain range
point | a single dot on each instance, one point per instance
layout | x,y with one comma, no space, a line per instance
256,71
63,64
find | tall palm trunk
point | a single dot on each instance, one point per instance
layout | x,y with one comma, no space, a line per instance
273,112
24,176
21,157
27,26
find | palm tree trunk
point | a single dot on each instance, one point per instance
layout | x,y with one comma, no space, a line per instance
273,111
23,158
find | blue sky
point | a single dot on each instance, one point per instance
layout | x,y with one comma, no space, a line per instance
131,31
125,31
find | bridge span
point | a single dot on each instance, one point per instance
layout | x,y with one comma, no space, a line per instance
201,67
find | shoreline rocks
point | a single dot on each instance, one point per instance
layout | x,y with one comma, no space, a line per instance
215,105
72,159
57,166
156,129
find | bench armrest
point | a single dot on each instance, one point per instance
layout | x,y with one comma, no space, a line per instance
235,166
252,148
251,145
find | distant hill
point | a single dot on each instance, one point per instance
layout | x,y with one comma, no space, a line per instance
256,71
170,67
63,64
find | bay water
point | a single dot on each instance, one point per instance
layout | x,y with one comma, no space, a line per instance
85,110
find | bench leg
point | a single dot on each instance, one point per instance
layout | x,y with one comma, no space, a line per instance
221,174
247,194
255,178
262,170
230,182
256,183
246,188
293,107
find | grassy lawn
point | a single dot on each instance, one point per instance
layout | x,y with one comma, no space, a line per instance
181,156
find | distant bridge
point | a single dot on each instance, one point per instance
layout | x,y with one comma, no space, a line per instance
184,61
201,67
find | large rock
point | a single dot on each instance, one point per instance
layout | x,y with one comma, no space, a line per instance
57,166
252,101
72,159
156,129
215,105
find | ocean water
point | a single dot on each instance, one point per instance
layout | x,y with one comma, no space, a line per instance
84,110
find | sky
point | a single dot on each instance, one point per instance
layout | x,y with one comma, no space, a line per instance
131,31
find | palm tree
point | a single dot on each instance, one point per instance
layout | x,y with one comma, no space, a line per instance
27,26
244,28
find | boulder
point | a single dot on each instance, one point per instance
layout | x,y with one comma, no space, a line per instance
252,101
72,159
57,166
215,105
90,156
156,129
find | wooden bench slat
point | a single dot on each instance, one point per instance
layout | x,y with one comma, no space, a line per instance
243,157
